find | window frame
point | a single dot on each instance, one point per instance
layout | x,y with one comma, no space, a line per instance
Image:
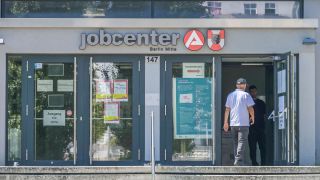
251,8
270,9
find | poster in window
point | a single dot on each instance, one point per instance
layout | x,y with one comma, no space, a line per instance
192,108
120,90
281,81
65,85
193,70
44,85
103,90
111,112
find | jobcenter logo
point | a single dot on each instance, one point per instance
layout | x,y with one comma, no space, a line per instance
153,38
193,40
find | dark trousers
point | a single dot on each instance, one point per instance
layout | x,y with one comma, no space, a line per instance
257,136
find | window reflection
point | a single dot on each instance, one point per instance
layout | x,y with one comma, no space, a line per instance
151,8
250,9
14,107
227,9
270,9
112,112
76,8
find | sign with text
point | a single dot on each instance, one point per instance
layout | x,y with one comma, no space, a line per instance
155,41
193,70
103,90
120,90
54,118
111,112
44,85
192,108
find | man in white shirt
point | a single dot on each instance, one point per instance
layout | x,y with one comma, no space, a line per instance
239,105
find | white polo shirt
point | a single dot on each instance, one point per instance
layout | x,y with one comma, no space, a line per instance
239,101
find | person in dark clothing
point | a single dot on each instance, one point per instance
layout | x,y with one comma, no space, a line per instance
256,131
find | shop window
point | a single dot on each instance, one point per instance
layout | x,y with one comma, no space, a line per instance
14,92
250,9
270,9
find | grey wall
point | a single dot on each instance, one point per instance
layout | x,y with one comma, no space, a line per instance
311,10
57,36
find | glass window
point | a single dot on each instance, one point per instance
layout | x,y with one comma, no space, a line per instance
180,9
192,113
214,8
225,9
53,111
76,8
150,9
250,9
112,111
270,9
14,107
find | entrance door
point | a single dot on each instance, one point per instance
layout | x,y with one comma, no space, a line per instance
81,110
285,114
115,122
49,124
187,118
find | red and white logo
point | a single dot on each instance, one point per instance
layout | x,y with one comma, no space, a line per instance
193,40
215,39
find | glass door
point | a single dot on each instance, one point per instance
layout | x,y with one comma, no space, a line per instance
76,110
115,107
187,125
50,123
285,114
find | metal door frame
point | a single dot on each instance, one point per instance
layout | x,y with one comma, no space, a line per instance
28,149
292,63
82,113
166,114
137,108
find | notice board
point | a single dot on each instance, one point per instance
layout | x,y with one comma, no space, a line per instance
192,108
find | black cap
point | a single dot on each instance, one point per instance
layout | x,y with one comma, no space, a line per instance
241,81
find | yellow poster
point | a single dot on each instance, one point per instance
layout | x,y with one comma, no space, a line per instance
120,90
103,90
111,112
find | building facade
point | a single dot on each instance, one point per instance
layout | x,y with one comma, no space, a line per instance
82,81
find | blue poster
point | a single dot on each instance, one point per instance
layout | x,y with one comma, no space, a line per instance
192,110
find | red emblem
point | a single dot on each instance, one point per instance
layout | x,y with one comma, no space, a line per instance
216,39
193,40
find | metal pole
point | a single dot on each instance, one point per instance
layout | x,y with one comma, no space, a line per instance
90,151
75,111
152,146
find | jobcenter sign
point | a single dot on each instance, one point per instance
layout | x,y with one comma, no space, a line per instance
104,38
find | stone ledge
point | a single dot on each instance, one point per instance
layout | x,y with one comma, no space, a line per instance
165,170
238,170
75,170
158,177
156,23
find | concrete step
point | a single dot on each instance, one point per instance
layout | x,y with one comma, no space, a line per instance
162,172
